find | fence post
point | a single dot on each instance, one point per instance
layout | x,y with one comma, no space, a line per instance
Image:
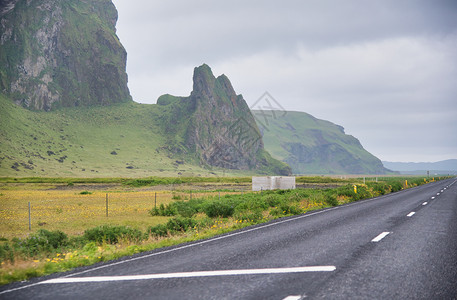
30,218
107,205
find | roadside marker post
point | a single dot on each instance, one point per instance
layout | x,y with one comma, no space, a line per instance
30,218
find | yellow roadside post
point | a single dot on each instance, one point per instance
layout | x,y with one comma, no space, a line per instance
355,189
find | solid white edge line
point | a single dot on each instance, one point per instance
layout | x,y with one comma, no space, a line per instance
192,274
380,237
410,214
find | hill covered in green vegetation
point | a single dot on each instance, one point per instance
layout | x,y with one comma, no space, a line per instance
179,136
313,146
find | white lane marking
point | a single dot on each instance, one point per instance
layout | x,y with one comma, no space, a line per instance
410,214
433,198
292,298
437,194
380,237
191,274
425,203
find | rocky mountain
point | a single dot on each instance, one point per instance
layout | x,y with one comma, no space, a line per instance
216,125
313,146
61,54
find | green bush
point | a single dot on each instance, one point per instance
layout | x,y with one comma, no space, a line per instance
43,241
6,253
164,210
189,208
395,186
112,234
177,224
379,188
158,230
219,209
272,200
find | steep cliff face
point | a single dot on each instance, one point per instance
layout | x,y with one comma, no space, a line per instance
217,126
61,53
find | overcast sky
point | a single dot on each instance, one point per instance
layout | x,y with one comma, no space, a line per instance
384,70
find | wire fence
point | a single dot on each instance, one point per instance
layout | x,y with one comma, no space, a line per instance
73,212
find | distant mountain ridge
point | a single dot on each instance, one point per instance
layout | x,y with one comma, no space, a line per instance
444,165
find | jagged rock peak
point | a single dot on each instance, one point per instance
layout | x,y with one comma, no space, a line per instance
220,128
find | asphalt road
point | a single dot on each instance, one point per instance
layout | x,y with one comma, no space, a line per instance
398,246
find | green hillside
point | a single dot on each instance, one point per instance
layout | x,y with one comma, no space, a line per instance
313,146
120,140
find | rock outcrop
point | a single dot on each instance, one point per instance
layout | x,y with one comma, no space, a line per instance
217,126
61,53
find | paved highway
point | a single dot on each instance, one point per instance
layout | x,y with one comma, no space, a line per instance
398,246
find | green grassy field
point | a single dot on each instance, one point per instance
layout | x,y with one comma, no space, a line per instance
122,140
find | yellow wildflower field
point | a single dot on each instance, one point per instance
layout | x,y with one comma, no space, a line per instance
72,212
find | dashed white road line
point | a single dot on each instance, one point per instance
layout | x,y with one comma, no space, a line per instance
411,214
380,237
292,298
191,274
425,203
433,198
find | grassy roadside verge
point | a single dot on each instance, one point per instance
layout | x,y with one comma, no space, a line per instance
46,252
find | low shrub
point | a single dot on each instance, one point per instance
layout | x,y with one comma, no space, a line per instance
189,208
219,209
158,230
272,200
112,234
182,224
164,210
